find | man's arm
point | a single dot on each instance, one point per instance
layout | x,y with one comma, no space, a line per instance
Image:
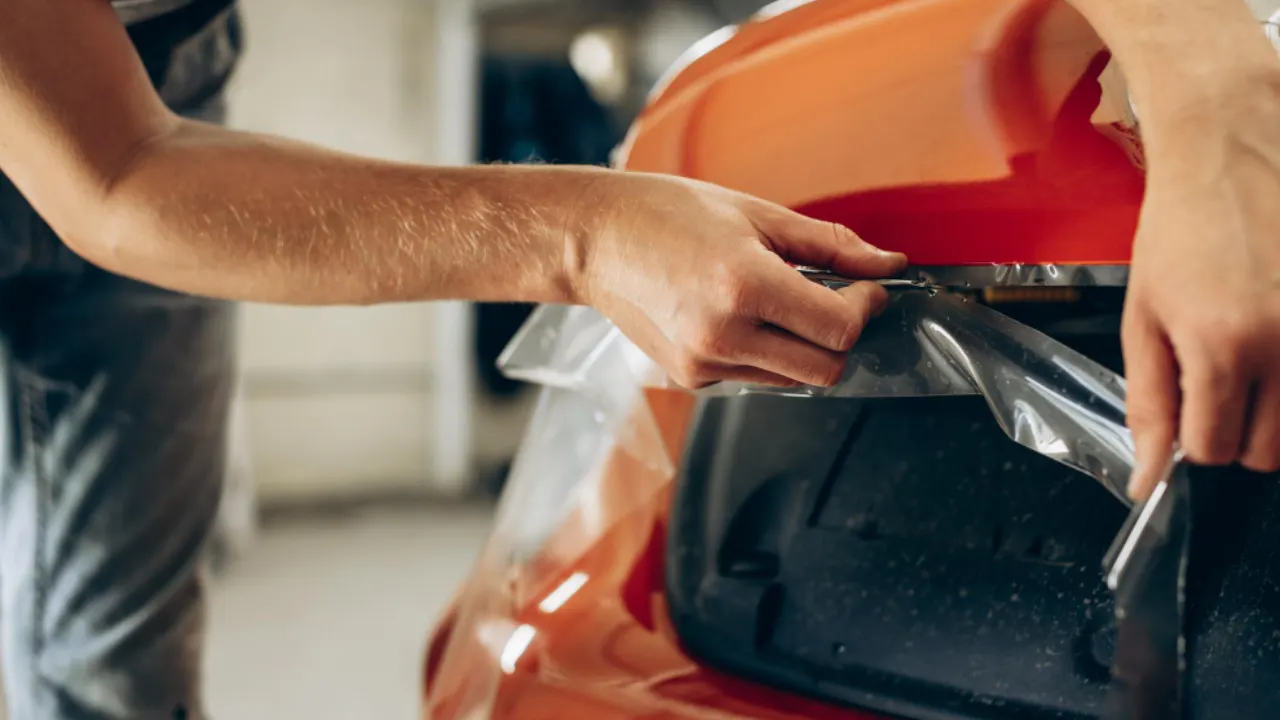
1202,318
693,273
194,207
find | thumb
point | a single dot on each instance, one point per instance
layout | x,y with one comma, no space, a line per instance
1153,397
804,241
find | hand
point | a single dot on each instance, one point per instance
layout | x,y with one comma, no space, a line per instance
698,277
1202,320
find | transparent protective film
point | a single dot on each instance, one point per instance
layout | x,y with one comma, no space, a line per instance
1046,396
1147,570
1019,275
577,511
929,342
577,349
1009,275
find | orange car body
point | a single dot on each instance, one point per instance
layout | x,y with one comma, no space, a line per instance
963,132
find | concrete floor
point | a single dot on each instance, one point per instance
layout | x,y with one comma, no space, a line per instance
327,619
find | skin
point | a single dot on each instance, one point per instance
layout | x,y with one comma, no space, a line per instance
696,275
1202,318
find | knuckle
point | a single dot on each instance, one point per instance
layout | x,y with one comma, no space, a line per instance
1228,343
690,371
733,289
1210,451
1206,370
840,234
859,307
862,308
1265,462
1145,413
833,372
846,334
708,340
1142,423
825,372
1263,453
1225,341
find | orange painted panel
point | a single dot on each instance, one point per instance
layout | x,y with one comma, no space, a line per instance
961,132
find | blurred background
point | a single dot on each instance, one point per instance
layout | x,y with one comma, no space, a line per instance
371,443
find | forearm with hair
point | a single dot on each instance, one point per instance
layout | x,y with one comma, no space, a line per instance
229,214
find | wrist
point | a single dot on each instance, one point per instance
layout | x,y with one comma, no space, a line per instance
1240,99
591,212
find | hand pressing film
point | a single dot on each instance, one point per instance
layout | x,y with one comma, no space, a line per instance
702,280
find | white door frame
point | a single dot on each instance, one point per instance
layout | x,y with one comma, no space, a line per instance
455,76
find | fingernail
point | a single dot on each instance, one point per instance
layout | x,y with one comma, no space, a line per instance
1141,482
882,304
898,258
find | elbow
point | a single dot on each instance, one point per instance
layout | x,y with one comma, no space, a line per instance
114,224
127,235
106,234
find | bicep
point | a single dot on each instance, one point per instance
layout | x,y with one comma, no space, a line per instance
75,104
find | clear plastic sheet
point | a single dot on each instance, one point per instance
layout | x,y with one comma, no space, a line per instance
1045,396
983,276
1147,570
578,349
588,473
991,276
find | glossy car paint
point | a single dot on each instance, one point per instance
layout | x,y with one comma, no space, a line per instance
961,131
958,131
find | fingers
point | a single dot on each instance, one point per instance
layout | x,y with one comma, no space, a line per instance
869,295
718,372
1262,446
729,353
831,320
805,241
1215,392
687,369
1214,407
737,351
730,340
779,323
781,353
1220,380
1153,398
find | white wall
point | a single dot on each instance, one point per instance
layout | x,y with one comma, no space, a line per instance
1264,9
342,400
